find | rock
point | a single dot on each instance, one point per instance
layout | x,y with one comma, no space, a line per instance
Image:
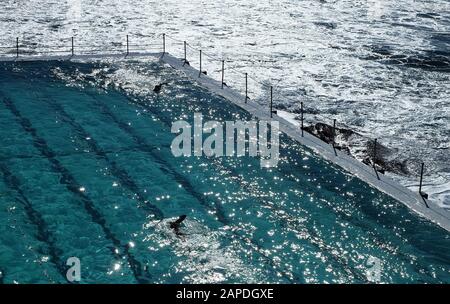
361,147
325,132
386,158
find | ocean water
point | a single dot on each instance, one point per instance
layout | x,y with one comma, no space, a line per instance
86,171
381,68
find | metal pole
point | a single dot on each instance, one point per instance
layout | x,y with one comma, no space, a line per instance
421,178
423,194
185,60
164,43
17,47
301,112
128,48
223,71
334,130
271,100
200,72
246,87
375,158
72,47
334,136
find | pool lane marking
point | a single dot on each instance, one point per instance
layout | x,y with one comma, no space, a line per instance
95,147
35,217
182,181
73,186
316,242
123,176
180,178
203,202
350,164
65,154
189,188
357,175
317,239
230,171
169,171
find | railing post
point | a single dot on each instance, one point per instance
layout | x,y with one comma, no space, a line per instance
223,71
334,136
375,158
185,59
246,87
301,113
200,72
17,47
164,43
72,48
128,48
271,101
423,194
421,178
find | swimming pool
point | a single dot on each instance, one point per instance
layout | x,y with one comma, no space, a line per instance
86,171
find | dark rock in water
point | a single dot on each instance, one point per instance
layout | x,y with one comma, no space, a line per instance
322,131
325,132
284,107
384,158
355,144
158,87
90,78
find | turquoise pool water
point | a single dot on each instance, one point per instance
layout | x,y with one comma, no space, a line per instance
86,171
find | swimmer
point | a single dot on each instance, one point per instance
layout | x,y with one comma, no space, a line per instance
176,225
158,87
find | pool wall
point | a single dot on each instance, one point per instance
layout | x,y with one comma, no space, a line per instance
413,200
385,184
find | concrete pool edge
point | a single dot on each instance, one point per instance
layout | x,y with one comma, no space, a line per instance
77,57
365,173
